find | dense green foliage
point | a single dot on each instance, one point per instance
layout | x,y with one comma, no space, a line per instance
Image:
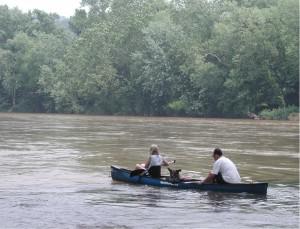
208,58
279,113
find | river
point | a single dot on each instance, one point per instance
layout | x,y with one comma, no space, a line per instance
55,172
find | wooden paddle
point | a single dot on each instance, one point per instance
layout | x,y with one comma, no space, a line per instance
141,171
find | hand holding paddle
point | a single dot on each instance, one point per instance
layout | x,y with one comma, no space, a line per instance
172,162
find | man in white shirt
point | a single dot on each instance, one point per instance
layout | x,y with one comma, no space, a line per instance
224,170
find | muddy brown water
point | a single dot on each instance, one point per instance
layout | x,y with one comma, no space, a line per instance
55,172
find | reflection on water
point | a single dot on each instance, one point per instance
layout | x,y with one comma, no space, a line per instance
56,168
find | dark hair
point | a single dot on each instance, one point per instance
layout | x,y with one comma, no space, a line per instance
218,151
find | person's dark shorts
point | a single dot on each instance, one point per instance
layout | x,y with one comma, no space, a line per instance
219,179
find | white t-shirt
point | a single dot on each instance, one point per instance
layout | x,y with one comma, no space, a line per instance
155,160
228,170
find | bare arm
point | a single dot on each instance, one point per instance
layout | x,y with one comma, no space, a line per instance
209,178
147,163
165,163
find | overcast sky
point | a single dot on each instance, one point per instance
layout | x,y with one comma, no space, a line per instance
61,7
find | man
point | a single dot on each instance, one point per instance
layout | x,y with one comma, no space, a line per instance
224,171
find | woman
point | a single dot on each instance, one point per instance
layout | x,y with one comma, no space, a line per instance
154,162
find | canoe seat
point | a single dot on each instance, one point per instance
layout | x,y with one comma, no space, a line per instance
155,171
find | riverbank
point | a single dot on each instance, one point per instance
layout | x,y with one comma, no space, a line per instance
281,113
290,117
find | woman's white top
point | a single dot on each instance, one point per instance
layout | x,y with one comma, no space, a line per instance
155,160
228,170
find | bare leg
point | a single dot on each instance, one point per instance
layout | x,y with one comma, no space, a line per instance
140,166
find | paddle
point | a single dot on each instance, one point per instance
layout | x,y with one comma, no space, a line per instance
141,171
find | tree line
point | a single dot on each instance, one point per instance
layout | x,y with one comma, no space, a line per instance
204,58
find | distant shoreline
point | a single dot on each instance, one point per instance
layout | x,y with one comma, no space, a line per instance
294,116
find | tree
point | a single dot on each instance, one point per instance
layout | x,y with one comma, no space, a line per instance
11,22
157,66
84,81
212,58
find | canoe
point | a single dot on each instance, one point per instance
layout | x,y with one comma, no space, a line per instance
121,174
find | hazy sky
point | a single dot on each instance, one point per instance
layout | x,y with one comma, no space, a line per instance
62,7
